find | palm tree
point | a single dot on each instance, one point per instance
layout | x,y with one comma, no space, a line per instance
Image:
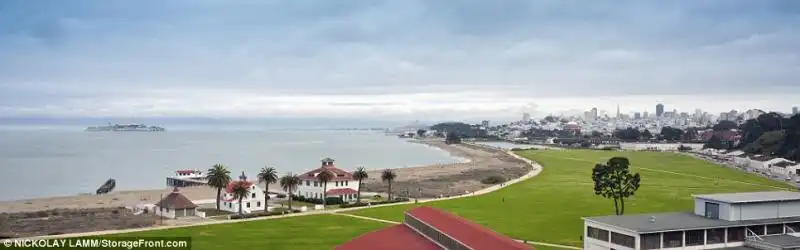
289,184
324,177
218,177
388,176
360,174
240,190
268,175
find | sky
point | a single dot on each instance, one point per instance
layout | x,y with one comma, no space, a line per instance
404,59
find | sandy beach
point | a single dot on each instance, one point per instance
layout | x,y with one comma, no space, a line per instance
443,180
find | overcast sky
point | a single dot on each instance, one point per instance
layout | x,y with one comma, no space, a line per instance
406,58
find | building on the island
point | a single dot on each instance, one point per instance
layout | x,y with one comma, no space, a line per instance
252,203
426,228
175,205
187,178
755,220
342,185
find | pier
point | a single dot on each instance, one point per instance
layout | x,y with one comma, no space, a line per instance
184,182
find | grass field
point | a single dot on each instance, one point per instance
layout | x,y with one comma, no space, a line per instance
549,207
303,232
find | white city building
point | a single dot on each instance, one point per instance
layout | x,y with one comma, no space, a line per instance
254,202
742,221
342,184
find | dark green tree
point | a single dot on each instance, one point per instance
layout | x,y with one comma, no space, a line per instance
218,177
267,175
452,138
615,181
421,132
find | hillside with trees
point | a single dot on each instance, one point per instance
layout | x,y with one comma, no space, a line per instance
460,129
773,135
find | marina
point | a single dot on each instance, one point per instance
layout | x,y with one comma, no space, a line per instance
187,178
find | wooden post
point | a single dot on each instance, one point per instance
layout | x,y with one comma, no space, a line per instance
161,210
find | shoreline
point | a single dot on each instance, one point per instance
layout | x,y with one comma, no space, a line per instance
451,179
465,176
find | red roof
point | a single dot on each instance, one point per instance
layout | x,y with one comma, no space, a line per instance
339,191
338,174
403,236
398,237
176,200
233,184
468,233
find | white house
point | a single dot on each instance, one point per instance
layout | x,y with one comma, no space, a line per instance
785,167
252,203
342,184
175,205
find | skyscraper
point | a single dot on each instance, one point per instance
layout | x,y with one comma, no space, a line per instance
526,117
659,110
595,116
795,110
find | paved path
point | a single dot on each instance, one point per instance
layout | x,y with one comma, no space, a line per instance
535,171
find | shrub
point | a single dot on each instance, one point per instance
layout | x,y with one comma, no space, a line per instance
608,149
377,196
494,179
328,201
357,204
516,149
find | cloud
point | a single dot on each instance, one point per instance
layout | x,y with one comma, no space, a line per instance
392,58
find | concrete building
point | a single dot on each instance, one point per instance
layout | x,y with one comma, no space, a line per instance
659,110
756,220
526,117
795,110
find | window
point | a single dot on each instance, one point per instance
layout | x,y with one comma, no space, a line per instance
247,204
258,204
308,183
735,234
167,209
712,210
346,183
623,240
794,226
695,237
596,233
758,230
775,229
715,236
673,239
253,195
650,241
315,183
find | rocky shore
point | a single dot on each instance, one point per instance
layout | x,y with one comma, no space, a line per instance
444,180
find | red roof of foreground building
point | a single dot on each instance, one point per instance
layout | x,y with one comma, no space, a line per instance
398,237
467,232
339,191
327,165
472,235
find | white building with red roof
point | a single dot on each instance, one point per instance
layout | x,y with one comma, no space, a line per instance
342,184
254,202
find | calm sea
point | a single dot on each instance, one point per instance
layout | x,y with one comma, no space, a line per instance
44,163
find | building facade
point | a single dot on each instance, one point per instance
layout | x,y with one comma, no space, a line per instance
757,220
342,185
254,202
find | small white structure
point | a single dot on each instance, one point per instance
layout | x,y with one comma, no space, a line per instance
658,146
253,202
175,205
342,184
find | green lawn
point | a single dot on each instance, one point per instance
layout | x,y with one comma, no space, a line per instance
549,207
303,232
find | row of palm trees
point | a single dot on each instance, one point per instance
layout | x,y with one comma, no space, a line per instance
219,177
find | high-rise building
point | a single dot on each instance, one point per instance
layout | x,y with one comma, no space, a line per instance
485,124
645,114
659,110
637,115
595,115
526,117
795,110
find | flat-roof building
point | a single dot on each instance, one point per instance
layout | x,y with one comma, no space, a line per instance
755,220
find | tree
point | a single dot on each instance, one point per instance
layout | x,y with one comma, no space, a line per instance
725,125
240,190
289,183
268,175
218,177
452,138
671,134
614,180
360,174
388,176
421,132
324,177
647,135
